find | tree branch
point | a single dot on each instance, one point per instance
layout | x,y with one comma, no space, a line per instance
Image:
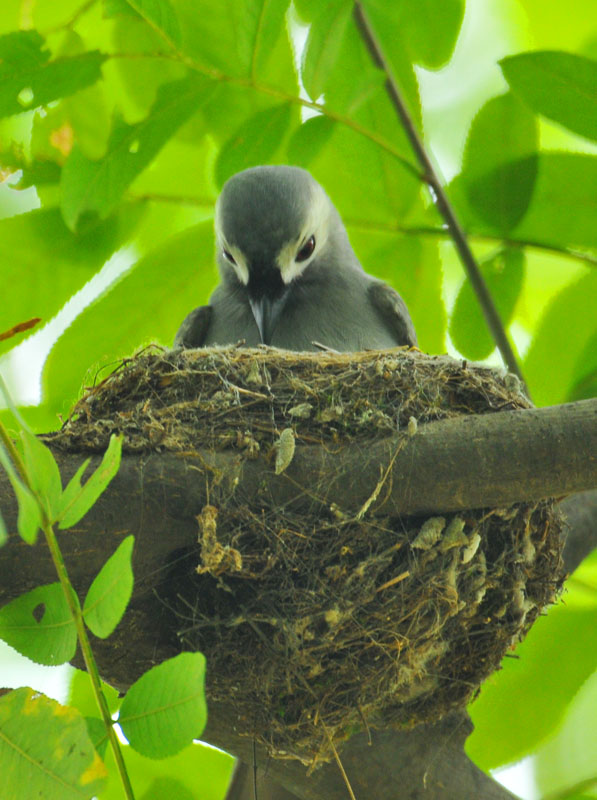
440,197
476,461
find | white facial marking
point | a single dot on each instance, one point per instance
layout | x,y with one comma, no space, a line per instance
317,225
240,265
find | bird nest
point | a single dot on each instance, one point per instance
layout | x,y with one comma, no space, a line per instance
320,622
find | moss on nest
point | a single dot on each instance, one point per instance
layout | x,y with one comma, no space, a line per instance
319,624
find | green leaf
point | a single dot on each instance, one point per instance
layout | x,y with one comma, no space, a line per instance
323,45
56,262
3,531
45,751
504,275
39,625
585,372
29,518
98,186
136,80
561,338
115,8
97,733
426,29
308,141
564,206
77,499
110,592
524,683
165,709
412,266
568,758
42,471
380,190
255,142
500,162
235,37
28,79
561,86
81,695
204,772
160,14
148,303
167,787
356,88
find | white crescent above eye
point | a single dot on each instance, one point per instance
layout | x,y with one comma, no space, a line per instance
316,226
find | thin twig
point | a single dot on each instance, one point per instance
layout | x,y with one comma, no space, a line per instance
445,233
340,764
439,196
375,494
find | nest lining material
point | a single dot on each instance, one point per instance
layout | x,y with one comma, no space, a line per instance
318,624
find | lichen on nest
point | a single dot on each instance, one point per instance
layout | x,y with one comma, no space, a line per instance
319,623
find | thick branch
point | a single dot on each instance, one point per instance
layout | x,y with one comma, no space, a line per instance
476,461
427,762
473,461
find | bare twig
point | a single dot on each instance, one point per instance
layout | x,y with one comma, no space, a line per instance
439,196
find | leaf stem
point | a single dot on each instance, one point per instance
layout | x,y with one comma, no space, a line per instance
77,615
439,196
248,83
90,662
444,233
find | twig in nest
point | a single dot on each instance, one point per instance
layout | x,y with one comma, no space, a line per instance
397,579
375,494
339,763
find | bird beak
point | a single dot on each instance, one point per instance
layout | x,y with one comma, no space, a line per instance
266,311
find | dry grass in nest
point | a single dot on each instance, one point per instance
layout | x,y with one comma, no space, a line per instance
322,623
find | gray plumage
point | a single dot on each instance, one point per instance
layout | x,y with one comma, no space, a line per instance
289,276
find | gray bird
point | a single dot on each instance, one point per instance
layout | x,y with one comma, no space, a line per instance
289,276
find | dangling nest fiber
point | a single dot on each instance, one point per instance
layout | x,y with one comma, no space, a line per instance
318,624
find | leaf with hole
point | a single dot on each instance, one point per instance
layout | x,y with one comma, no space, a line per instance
40,626
110,592
29,79
165,709
98,186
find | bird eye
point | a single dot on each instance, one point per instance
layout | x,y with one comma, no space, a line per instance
306,250
229,257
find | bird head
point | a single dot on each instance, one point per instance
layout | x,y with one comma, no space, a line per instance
272,224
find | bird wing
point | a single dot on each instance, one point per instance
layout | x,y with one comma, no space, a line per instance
392,309
193,331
